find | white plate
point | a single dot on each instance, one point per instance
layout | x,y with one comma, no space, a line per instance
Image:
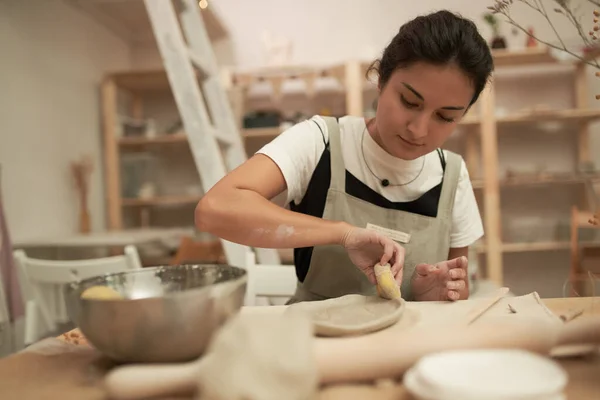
486,374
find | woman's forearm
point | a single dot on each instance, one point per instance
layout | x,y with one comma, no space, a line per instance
245,217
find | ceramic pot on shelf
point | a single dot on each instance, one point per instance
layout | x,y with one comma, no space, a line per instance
498,42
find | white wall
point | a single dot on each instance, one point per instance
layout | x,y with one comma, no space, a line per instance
52,61
324,31
331,31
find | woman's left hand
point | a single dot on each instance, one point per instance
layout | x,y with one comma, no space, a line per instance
446,280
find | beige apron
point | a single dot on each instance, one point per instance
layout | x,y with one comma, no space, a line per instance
331,272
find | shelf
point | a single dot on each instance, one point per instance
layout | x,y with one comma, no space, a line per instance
160,201
182,137
277,75
261,132
522,57
541,181
535,246
536,55
538,246
142,81
161,139
273,132
571,116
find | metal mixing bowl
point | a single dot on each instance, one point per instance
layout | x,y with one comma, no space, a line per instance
169,314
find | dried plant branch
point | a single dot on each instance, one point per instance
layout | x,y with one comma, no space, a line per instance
533,6
561,48
545,14
576,23
595,2
503,7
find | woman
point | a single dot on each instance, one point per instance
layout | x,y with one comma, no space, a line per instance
362,192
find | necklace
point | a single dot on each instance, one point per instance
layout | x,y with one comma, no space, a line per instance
385,182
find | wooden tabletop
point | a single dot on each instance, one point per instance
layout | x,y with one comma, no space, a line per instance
106,238
76,371
584,372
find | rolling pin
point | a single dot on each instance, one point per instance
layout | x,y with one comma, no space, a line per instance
385,354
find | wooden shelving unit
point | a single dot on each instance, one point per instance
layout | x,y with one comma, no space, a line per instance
267,133
160,140
134,86
579,116
124,93
481,131
529,56
491,186
537,246
549,179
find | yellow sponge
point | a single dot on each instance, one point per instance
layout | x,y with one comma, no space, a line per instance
101,293
386,284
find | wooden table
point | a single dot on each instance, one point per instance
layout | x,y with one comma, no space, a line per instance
106,239
584,372
72,372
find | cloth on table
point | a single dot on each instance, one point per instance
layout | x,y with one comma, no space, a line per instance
447,313
260,357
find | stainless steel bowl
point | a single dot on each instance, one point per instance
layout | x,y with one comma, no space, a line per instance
169,314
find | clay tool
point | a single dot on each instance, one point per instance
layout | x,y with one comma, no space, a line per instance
486,305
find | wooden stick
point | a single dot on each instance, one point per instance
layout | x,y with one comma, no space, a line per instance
487,304
571,314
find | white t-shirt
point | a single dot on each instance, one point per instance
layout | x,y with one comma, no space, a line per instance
298,149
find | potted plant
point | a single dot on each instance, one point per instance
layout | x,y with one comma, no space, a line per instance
498,41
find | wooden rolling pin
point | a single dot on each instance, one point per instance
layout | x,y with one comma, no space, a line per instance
385,354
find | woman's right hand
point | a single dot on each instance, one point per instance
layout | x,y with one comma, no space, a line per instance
367,248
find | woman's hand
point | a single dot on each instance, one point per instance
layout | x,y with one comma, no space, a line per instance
367,248
446,280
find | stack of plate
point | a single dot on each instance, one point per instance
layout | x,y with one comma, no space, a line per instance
502,374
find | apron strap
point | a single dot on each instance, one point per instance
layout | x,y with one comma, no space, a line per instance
450,179
338,168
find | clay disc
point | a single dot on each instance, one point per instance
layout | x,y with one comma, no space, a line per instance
352,314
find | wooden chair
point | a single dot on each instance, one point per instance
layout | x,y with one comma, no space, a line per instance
42,282
267,283
580,250
192,251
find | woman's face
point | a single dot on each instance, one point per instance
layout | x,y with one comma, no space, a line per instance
419,108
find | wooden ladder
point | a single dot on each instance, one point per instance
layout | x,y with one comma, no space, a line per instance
216,144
